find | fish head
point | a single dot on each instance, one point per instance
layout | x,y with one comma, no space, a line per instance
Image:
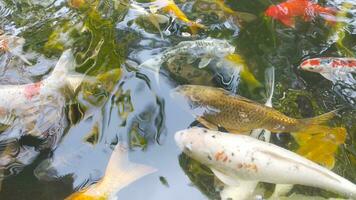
195,143
197,99
312,65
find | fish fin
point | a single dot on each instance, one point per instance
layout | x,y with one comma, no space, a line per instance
242,192
270,79
208,124
74,80
119,173
227,180
320,143
290,22
204,62
281,190
321,119
329,76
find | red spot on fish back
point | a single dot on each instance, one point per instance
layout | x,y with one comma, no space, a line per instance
352,63
314,62
336,63
32,90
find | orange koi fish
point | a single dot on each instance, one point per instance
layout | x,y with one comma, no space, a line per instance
170,7
286,12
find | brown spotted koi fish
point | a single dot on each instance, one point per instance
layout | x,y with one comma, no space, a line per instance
216,107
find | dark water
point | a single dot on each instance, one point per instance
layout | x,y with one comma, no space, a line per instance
109,40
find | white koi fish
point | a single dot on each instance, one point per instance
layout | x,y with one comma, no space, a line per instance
333,69
24,103
120,172
205,49
242,161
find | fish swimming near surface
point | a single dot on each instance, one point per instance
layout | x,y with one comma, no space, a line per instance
171,7
119,173
286,12
13,45
241,161
216,107
23,104
205,49
332,68
154,18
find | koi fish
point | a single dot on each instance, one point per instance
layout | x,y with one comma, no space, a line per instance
333,69
205,49
23,103
13,45
170,7
216,107
287,11
120,172
155,19
240,162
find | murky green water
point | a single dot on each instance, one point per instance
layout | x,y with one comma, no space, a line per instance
109,40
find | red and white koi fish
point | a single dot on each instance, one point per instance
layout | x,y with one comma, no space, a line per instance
119,173
286,12
26,102
333,69
241,162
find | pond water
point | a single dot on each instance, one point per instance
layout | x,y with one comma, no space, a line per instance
110,39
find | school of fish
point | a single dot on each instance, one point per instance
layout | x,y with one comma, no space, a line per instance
235,143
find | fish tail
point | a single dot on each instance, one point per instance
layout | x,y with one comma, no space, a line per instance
309,123
64,72
120,172
249,78
320,143
246,74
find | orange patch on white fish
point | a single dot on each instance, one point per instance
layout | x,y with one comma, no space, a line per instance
32,90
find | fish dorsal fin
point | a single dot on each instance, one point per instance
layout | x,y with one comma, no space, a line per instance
224,178
119,173
270,78
243,191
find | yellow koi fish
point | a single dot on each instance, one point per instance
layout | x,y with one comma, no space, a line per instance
246,74
120,172
170,7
